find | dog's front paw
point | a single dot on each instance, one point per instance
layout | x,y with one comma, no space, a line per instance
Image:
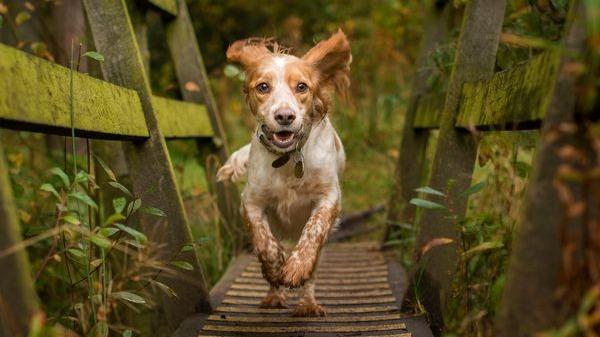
309,310
296,271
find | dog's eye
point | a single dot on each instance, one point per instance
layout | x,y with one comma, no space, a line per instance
301,87
263,88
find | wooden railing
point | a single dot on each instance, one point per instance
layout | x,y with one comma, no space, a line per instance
35,96
538,94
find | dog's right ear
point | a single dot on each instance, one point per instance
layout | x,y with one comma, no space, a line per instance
247,52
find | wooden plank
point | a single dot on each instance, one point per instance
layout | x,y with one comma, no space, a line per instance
179,119
320,287
330,310
115,39
305,328
257,279
455,155
334,270
195,87
34,96
320,294
325,276
511,99
169,6
428,111
411,162
279,319
18,299
542,249
327,301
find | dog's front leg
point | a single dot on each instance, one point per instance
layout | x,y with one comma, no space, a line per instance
269,251
300,265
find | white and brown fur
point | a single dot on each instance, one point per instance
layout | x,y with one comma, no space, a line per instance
275,203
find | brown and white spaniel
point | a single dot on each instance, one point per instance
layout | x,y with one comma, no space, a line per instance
294,161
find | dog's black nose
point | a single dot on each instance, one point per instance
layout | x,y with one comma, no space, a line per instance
285,116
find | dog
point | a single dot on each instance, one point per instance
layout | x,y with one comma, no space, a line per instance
294,161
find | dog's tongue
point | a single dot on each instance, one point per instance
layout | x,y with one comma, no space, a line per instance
283,136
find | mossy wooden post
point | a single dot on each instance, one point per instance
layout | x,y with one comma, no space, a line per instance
195,87
455,154
149,163
529,302
18,299
410,167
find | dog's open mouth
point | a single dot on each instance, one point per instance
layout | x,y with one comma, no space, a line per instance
283,139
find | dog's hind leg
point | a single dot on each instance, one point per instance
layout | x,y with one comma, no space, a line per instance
275,298
235,167
308,306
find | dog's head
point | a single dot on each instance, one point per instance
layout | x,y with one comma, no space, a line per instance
286,93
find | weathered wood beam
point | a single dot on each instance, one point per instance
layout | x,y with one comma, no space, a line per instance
455,155
429,109
168,6
411,164
18,299
510,100
34,96
179,119
549,241
195,87
149,163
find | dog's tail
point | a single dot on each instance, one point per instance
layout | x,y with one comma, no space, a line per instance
236,166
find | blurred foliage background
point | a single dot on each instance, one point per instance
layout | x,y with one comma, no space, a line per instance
384,36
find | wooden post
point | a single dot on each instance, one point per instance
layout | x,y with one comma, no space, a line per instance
195,87
530,303
411,164
149,163
455,154
18,299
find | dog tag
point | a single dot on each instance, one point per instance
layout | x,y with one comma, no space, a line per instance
279,162
299,166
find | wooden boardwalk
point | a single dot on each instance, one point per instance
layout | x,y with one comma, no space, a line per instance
358,285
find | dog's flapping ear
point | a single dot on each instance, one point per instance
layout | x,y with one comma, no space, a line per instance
247,52
332,58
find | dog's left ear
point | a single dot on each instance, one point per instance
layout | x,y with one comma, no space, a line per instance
332,57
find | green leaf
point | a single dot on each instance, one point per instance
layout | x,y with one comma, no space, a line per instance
231,71
114,218
134,206
62,175
187,248
152,211
81,177
165,288
129,297
429,190
119,204
100,241
482,247
108,231
22,17
72,219
99,330
76,252
138,236
49,188
120,187
474,189
127,333
1,21
106,169
94,55
426,204
183,265
84,198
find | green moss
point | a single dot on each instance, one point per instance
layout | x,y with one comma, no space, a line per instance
178,119
429,109
35,92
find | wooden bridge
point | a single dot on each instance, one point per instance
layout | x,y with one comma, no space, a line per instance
364,290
